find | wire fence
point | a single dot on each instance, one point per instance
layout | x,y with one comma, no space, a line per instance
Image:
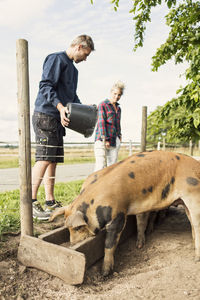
74,153
78,164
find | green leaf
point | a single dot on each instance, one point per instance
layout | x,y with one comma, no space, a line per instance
169,4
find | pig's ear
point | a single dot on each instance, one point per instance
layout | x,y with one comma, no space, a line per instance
75,220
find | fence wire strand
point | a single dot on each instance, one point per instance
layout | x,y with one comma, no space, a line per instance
84,150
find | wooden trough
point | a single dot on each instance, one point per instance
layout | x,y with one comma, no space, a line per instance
52,252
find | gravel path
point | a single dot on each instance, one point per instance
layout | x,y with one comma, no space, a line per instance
9,178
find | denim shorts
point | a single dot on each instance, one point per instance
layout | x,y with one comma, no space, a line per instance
49,138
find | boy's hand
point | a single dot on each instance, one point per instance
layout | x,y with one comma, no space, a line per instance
63,118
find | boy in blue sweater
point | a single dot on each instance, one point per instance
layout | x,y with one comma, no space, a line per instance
57,88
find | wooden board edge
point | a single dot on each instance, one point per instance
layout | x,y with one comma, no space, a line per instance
67,264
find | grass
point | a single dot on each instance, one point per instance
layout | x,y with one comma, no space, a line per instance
9,162
10,204
74,156
13,162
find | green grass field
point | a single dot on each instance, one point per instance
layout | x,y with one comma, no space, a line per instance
10,204
13,162
9,157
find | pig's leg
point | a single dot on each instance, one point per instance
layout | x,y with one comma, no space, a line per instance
142,220
113,233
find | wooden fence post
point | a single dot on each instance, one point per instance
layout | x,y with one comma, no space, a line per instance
191,147
164,146
144,129
24,137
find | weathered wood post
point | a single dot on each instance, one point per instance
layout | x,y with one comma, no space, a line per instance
164,146
24,137
191,147
144,129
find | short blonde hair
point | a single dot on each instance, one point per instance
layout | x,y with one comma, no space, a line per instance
84,40
118,85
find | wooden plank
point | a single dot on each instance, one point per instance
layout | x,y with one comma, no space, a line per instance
93,248
65,263
56,236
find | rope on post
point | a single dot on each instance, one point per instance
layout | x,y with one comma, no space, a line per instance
24,138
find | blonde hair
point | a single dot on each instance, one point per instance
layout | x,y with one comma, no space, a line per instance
118,85
84,40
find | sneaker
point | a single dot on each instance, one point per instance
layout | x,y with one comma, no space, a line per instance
50,208
39,213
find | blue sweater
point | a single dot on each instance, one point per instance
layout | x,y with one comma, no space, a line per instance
58,84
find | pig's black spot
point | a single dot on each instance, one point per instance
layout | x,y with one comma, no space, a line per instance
92,201
81,192
140,155
132,161
83,208
177,157
192,181
150,189
103,215
131,174
172,180
165,191
93,181
114,229
96,230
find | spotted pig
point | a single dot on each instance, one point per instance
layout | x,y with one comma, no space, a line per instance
143,182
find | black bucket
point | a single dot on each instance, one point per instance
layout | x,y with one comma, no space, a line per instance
82,118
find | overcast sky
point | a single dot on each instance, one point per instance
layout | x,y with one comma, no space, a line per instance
50,25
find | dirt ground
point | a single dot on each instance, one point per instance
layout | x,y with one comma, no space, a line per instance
163,269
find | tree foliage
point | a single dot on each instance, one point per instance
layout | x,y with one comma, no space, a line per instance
183,45
176,126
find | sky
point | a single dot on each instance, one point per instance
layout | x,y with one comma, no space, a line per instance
50,26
